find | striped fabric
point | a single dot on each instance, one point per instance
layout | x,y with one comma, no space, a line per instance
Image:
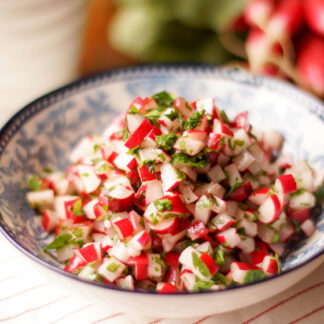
25,298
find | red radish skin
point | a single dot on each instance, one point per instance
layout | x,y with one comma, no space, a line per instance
138,136
210,263
165,288
75,264
314,15
257,12
270,210
140,264
172,259
310,63
123,227
270,265
286,184
197,230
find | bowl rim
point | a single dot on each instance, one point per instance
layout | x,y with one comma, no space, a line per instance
315,106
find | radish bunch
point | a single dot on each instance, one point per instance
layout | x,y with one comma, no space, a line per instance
286,38
174,196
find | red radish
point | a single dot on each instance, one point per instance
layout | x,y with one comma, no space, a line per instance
134,121
310,63
216,174
165,288
75,264
172,276
300,215
270,210
143,104
118,199
207,104
250,227
246,244
136,221
111,269
189,145
267,234
229,237
49,220
233,173
126,283
240,269
139,134
197,230
259,196
286,19
257,12
272,140
196,135
123,228
90,252
286,232
146,174
141,241
244,160
125,162
215,141
105,240
221,222
92,209
64,206
183,107
286,184
172,259
308,227
220,128
169,176
44,198
270,265
165,226
242,192
187,193
154,265
259,254
202,211
314,15
304,199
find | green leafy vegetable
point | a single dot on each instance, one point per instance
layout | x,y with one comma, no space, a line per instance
134,150
163,204
48,170
96,147
61,240
200,265
198,161
166,141
219,278
298,192
224,116
150,165
113,267
163,99
125,134
202,285
278,262
219,256
172,115
252,276
133,110
193,121
34,183
319,194
77,208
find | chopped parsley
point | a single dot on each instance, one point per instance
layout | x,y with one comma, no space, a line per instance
62,240
193,121
224,116
198,161
233,188
47,170
204,202
319,194
125,134
298,192
278,262
163,99
200,265
134,150
219,256
202,285
154,114
133,110
34,183
160,262
219,278
172,114
77,208
85,174
166,141
96,148
113,267
163,204
150,165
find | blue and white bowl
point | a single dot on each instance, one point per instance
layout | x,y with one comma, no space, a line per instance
43,133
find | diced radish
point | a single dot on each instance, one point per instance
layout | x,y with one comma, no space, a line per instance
154,265
197,230
215,141
63,205
244,160
221,222
187,193
313,11
85,178
75,264
165,226
123,228
300,215
172,259
229,237
134,121
270,209
240,269
120,198
233,174
286,232
165,288
206,104
111,269
183,107
41,199
272,140
66,253
188,145
308,227
242,192
141,241
257,12
259,196
210,263
49,220
241,120
267,234
251,228
246,244
270,265
139,134
91,209
90,252
146,174
259,254
216,174
125,162
302,201
126,283
203,209
169,176
136,221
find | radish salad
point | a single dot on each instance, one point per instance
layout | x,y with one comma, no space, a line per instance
174,196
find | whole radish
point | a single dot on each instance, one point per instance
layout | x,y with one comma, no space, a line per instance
310,63
257,12
285,20
314,15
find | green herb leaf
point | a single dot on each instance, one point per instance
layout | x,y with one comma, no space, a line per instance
200,265
154,114
133,110
160,262
233,188
219,256
219,278
113,267
319,194
150,164
77,232
298,192
163,204
77,208
193,121
172,115
34,183
252,276
125,134
134,150
224,116
96,148
61,240
163,99
198,161
204,202
47,170
202,285
278,262
166,141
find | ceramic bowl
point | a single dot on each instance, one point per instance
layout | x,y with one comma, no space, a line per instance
43,133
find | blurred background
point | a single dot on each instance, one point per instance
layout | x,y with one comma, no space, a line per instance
48,43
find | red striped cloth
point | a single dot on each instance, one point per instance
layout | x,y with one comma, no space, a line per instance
26,297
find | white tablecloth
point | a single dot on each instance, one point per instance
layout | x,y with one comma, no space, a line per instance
28,298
